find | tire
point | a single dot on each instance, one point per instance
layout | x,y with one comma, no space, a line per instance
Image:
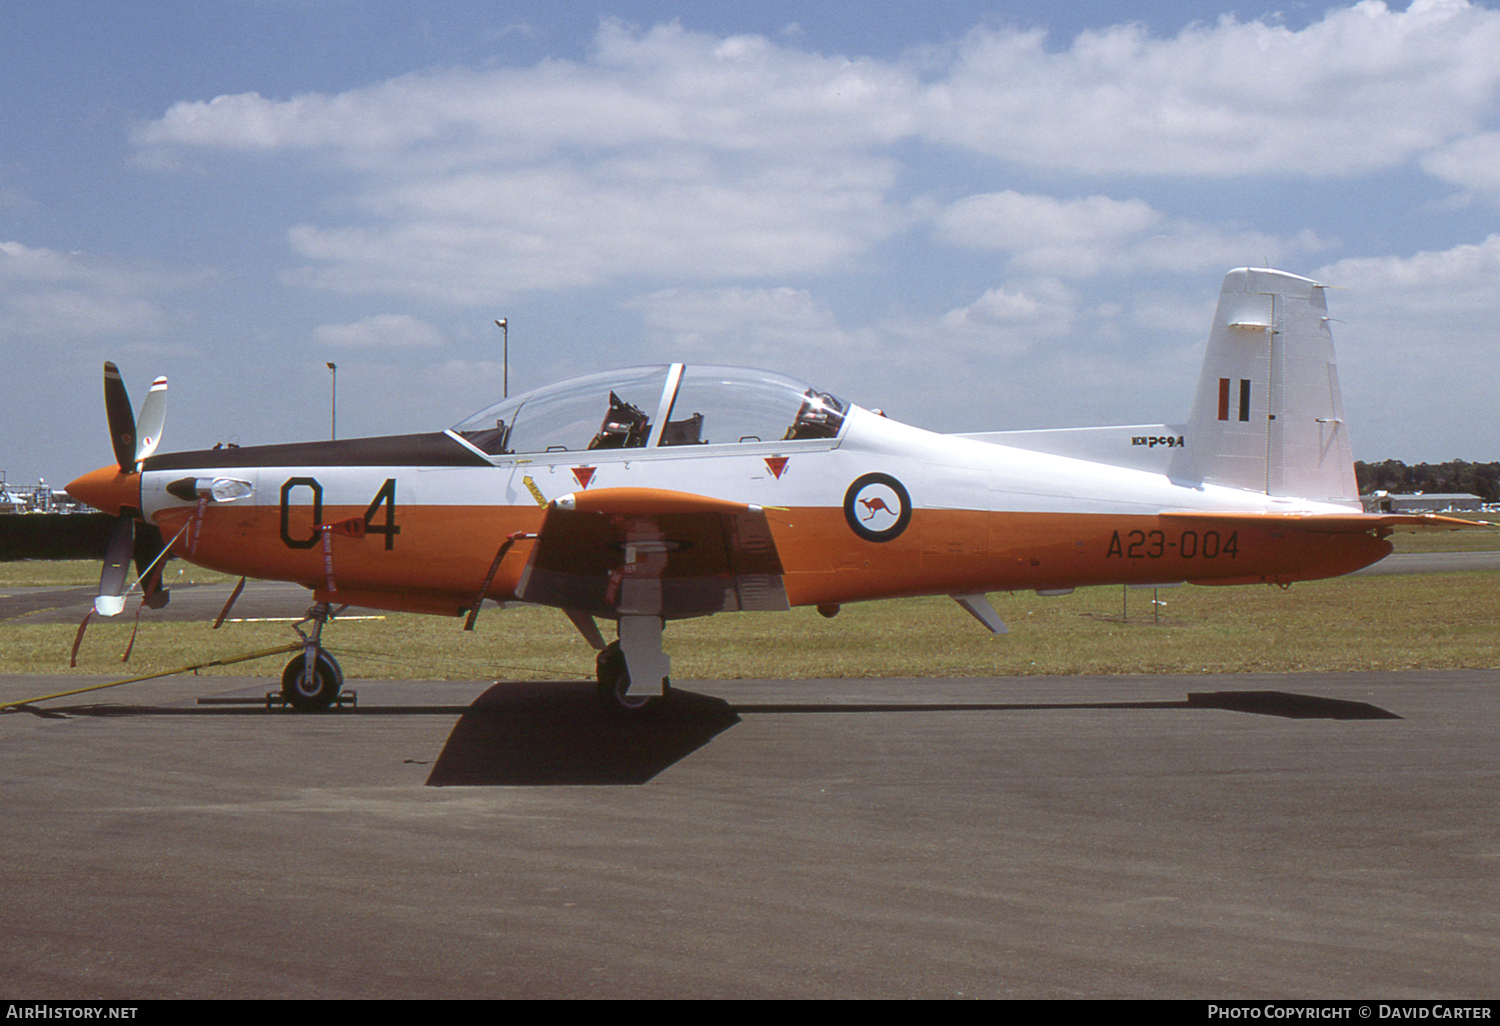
327,682
614,685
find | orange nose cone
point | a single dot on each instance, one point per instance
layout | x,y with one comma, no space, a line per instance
108,489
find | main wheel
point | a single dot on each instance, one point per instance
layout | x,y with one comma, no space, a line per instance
317,694
614,685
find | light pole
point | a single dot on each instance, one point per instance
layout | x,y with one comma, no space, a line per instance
504,325
333,403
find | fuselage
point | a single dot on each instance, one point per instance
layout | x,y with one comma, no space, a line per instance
874,509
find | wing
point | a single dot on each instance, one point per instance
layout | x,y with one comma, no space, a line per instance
643,551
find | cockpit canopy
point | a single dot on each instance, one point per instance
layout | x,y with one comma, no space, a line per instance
646,407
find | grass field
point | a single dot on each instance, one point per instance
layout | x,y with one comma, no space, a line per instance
1360,623
1453,541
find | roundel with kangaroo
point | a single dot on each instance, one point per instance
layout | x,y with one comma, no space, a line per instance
877,507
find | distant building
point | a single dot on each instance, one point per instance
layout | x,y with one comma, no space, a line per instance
1421,502
37,498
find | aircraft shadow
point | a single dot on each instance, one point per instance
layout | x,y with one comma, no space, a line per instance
542,733
1285,704
548,700
555,733
552,733
1289,705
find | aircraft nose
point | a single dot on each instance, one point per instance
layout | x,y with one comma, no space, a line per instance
108,489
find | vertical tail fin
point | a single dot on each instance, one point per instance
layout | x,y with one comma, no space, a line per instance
1268,416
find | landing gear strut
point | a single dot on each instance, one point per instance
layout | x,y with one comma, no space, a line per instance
312,681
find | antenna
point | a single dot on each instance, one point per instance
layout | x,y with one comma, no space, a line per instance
504,325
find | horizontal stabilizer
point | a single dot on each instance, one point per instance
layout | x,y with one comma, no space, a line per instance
1336,523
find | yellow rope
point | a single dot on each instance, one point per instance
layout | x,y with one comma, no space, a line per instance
228,660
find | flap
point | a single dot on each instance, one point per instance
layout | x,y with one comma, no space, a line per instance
646,551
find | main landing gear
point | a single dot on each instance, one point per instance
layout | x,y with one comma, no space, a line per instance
312,681
613,689
639,645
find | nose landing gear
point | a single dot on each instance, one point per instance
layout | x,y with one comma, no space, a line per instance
312,681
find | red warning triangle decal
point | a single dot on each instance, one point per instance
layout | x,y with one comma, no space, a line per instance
583,475
777,464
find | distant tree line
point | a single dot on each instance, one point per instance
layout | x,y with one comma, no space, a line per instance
1481,479
61,536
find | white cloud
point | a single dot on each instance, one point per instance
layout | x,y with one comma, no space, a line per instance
1093,235
1010,220
1031,353
780,328
382,330
664,86
1365,88
472,237
65,297
684,158
1010,319
669,154
1417,353
20,263
1463,281
903,364
1472,162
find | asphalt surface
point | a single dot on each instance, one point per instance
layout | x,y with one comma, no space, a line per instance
1250,836
1305,836
1432,563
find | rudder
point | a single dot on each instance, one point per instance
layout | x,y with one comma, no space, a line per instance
1268,415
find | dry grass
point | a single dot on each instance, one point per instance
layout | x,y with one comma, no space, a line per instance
74,573
1449,620
1359,623
1475,540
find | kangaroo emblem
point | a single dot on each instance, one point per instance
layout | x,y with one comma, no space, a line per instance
872,495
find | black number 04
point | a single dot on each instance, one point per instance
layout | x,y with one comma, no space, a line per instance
386,497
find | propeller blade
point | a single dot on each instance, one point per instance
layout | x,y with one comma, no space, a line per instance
111,600
121,418
150,560
149,424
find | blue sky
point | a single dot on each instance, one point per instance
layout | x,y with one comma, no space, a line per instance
972,215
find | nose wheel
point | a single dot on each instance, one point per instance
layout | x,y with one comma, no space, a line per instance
312,681
312,692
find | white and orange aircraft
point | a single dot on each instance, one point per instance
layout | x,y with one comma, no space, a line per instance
656,493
